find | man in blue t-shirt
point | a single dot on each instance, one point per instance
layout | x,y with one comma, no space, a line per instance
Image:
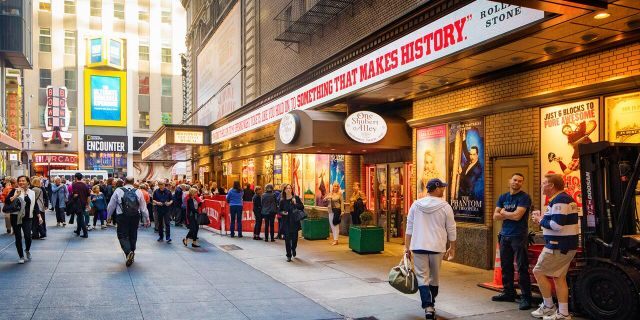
512,209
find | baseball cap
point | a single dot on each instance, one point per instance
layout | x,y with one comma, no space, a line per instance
435,183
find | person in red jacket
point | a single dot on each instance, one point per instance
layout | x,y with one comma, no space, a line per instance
9,184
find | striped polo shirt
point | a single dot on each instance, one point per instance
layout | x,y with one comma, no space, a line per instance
560,223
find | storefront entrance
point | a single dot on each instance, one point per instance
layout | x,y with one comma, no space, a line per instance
390,194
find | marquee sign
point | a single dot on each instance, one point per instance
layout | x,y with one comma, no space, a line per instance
55,159
56,116
473,24
102,143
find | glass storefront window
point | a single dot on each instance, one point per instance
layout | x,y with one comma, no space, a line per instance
114,163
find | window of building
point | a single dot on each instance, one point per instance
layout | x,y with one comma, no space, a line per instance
69,42
70,6
143,122
118,9
41,109
166,86
70,79
45,40
166,15
143,15
45,5
143,84
96,8
166,118
143,52
45,78
166,55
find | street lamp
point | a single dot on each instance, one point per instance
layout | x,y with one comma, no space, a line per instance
27,139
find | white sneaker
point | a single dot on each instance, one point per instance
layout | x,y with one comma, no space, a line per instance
557,316
21,261
58,224
28,255
543,311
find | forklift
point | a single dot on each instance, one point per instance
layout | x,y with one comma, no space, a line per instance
606,282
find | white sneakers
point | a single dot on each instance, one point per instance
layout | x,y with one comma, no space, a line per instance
546,313
557,316
28,255
21,261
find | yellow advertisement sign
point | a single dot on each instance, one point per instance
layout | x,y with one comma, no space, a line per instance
105,98
623,115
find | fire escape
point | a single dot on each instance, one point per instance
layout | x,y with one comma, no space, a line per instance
301,19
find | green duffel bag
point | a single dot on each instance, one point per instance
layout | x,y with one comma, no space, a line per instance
403,278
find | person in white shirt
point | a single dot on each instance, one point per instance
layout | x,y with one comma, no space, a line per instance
22,219
430,225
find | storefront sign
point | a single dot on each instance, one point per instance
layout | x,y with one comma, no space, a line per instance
105,98
138,142
56,116
431,153
289,128
188,137
101,143
623,114
365,127
55,159
477,22
562,129
161,142
14,115
466,162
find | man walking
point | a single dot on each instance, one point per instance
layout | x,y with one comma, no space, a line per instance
560,229
430,225
128,203
512,209
80,193
162,199
176,209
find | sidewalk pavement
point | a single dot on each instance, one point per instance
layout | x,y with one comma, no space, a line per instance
356,285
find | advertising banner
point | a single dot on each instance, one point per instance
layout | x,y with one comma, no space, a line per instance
296,173
248,172
431,153
277,169
623,118
95,47
309,180
286,168
337,172
115,53
103,143
267,171
466,162
322,179
105,98
562,129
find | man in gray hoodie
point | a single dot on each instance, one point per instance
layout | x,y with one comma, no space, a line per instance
430,225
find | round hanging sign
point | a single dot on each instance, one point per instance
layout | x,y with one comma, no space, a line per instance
289,128
365,127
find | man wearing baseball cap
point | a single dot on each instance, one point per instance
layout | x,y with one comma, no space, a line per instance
429,226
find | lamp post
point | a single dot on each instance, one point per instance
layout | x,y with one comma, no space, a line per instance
27,139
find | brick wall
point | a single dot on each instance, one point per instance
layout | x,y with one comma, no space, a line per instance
278,64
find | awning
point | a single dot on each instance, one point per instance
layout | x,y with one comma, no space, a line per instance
323,132
174,143
8,143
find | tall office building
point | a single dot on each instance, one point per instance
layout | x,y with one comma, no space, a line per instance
120,64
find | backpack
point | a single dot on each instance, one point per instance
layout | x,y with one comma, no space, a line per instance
129,202
269,205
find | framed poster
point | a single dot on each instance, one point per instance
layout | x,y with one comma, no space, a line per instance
337,172
105,98
286,168
296,173
248,172
431,154
309,180
277,170
466,163
322,179
562,129
623,118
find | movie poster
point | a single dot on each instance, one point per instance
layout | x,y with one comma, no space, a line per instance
277,170
286,168
431,149
267,170
296,173
337,172
248,172
623,118
562,129
309,180
466,163
322,179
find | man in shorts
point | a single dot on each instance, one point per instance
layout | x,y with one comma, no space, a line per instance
560,229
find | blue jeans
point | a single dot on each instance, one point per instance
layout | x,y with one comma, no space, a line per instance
236,219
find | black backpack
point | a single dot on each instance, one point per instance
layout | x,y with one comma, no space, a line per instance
129,202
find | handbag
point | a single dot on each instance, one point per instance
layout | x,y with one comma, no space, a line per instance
402,277
299,215
12,206
337,219
203,219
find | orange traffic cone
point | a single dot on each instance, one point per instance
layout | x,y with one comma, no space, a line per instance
497,274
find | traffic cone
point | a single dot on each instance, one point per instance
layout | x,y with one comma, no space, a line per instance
496,285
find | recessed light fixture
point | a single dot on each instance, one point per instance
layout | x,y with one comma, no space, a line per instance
588,37
602,15
391,99
333,149
423,87
633,24
364,150
550,49
517,59
443,81
348,151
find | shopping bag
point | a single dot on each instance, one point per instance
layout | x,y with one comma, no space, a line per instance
403,278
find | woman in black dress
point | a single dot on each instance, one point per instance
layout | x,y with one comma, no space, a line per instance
288,203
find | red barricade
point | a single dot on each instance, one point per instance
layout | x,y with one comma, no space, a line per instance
219,211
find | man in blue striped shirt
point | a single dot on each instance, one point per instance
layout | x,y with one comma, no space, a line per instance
560,229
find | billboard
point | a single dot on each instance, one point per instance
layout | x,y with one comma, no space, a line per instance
105,98
218,81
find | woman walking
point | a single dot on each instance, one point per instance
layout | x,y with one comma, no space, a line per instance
288,203
38,228
234,198
358,203
257,213
21,220
269,205
193,202
99,204
335,208
58,201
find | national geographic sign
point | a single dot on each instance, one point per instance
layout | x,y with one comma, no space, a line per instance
101,143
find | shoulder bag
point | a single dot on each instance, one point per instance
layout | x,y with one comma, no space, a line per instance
403,278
